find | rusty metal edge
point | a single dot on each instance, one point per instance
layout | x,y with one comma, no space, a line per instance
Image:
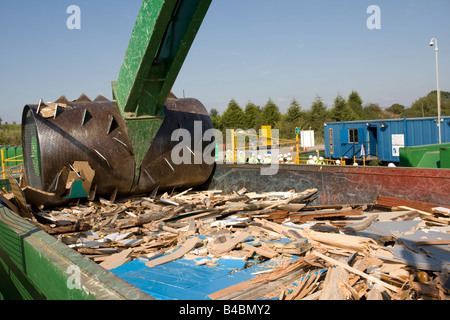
339,184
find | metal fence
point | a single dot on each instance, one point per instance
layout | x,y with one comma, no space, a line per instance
11,162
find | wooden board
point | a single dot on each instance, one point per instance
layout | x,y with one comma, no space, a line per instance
189,245
397,202
230,244
117,259
20,198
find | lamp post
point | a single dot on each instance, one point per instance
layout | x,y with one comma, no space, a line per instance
434,42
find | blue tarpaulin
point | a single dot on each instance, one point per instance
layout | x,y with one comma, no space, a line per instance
183,279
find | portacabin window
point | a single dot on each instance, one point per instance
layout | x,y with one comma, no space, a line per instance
353,136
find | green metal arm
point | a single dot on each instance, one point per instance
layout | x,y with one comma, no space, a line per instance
161,39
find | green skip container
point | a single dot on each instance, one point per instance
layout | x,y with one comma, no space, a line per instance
427,156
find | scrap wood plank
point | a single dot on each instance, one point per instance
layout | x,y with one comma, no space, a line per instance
117,259
283,230
150,245
361,225
128,242
363,263
189,245
281,271
9,204
197,214
294,207
261,251
97,251
420,212
269,289
334,285
140,220
56,218
77,227
406,215
302,195
37,197
429,216
181,193
156,225
19,197
294,247
431,243
343,241
441,210
324,207
397,202
356,271
306,285
233,207
442,214
265,289
295,198
230,244
324,215
278,215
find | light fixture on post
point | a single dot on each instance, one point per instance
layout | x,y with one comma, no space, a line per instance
433,42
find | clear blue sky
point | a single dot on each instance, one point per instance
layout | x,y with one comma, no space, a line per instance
248,50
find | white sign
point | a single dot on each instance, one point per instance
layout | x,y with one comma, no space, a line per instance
396,151
307,138
398,140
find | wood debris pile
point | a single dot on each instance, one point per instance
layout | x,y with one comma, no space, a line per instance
391,249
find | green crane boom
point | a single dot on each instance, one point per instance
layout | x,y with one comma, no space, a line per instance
161,39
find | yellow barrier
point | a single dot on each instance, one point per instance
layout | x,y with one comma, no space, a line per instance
269,143
13,169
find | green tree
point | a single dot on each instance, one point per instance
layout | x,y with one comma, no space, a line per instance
270,114
294,118
215,118
317,116
10,134
445,103
294,112
373,111
233,117
342,111
355,103
396,109
427,106
423,107
252,116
